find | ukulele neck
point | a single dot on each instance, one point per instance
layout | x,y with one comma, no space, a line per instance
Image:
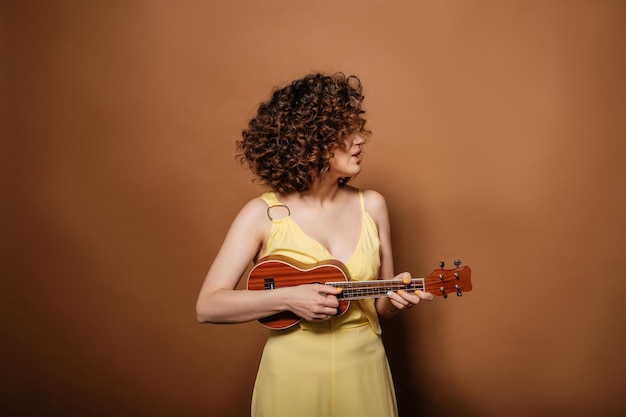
356,290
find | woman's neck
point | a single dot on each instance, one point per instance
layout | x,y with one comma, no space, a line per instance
321,193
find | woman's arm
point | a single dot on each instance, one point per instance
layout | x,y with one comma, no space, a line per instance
388,307
219,302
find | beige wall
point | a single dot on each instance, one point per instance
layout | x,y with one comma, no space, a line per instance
499,138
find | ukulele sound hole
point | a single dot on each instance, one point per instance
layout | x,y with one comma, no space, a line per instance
268,283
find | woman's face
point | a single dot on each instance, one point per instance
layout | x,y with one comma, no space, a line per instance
347,156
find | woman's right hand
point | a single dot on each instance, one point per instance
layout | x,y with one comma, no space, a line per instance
314,301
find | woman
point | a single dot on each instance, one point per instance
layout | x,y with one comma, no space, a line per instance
305,143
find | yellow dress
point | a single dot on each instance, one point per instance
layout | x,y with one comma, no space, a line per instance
332,368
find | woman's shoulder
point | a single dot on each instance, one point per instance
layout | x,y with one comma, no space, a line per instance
370,196
254,210
374,201
375,204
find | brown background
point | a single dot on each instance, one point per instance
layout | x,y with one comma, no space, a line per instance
499,138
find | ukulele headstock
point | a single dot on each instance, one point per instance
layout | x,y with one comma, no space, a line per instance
442,282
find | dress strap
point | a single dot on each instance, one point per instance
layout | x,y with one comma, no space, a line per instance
362,201
272,201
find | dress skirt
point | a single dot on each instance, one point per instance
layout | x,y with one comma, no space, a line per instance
339,372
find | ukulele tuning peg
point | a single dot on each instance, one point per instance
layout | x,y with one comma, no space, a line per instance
458,291
442,264
457,262
443,292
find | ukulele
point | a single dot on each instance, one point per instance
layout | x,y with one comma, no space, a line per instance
277,271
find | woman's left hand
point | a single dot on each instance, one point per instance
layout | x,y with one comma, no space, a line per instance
403,300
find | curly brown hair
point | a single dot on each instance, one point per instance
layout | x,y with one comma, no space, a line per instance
290,141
